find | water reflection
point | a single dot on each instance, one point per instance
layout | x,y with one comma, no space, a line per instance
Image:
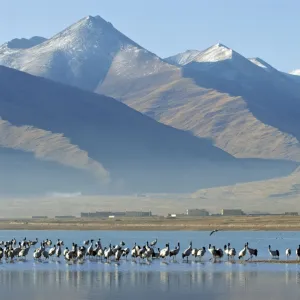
85,285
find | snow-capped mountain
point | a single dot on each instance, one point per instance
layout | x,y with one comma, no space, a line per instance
216,93
217,52
221,60
183,58
82,54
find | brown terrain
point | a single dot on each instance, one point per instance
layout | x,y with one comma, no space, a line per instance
158,223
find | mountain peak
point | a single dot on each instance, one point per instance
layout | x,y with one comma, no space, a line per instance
220,45
217,52
92,22
96,20
183,58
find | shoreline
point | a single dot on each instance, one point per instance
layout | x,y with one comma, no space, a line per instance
228,223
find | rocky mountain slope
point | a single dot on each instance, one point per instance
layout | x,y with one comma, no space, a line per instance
93,136
247,107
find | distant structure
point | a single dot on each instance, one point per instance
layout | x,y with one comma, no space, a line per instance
107,214
172,215
39,217
292,213
232,212
138,213
101,214
258,213
195,212
64,217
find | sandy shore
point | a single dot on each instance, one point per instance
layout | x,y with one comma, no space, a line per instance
288,223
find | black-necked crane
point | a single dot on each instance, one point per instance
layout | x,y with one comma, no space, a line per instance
52,251
230,252
273,253
187,252
243,252
216,253
194,252
33,243
298,252
58,251
118,254
1,253
288,252
89,251
126,252
24,252
201,252
252,252
165,251
153,243
174,252
149,250
108,253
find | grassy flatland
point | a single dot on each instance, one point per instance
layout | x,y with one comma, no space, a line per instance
157,223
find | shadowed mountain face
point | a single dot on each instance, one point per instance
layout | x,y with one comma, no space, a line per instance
97,144
104,138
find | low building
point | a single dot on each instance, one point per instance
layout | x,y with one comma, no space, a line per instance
292,213
102,214
195,212
138,214
172,216
258,213
39,217
232,212
84,215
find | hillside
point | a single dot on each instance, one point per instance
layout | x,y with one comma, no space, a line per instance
101,138
246,107
275,195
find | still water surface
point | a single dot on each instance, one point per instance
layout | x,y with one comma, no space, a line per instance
171,280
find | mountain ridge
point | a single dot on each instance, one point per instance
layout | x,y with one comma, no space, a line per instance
234,102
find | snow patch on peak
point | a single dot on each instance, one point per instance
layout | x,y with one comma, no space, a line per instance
95,20
261,63
217,52
183,58
295,72
221,46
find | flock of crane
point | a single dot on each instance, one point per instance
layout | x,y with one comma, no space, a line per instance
12,250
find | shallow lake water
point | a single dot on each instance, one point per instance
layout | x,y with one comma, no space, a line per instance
163,280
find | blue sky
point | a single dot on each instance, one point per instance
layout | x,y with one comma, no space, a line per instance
265,28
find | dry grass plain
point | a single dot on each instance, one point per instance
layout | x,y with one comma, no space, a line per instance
288,223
